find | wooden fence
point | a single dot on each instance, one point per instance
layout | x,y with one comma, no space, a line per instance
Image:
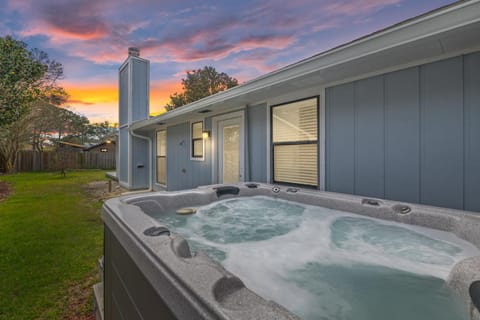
29,160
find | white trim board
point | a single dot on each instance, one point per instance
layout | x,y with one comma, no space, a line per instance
214,140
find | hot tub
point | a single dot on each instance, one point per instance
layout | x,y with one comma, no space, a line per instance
152,272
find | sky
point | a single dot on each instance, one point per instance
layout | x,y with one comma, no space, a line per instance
244,38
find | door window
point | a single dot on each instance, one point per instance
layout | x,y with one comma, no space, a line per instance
231,149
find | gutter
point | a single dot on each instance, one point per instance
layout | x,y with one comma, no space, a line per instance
149,140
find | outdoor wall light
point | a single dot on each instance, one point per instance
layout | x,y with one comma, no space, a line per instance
206,134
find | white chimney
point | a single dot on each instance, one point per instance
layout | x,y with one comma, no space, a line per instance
133,105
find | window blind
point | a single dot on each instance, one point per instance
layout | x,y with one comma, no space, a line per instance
197,139
161,170
294,139
161,143
296,163
161,156
295,121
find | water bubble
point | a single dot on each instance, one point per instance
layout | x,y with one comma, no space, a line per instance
328,264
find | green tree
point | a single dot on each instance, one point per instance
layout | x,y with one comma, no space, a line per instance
51,123
101,131
28,80
73,127
199,84
43,118
26,76
11,140
79,130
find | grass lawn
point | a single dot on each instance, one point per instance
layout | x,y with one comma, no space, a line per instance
50,239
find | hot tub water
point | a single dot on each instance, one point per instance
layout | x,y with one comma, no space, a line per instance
328,264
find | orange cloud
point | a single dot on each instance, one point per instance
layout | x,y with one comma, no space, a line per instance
59,35
99,102
88,35
72,101
160,92
98,112
89,94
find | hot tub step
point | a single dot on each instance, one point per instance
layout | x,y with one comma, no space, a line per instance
100,268
98,300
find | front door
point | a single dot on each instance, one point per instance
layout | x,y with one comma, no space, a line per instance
229,157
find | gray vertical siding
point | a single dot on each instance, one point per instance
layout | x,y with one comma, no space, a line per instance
257,142
441,99
140,163
472,131
123,98
123,154
139,90
177,156
369,133
133,106
340,139
183,173
201,171
411,135
402,136
128,294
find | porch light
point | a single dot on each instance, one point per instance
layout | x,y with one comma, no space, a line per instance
205,134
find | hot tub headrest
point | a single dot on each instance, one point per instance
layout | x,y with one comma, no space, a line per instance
475,293
226,190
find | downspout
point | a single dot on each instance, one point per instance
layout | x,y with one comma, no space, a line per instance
246,146
149,140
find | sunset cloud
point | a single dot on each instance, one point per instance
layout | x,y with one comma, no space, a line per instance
77,19
160,92
92,93
357,7
88,97
97,101
213,49
242,38
79,102
259,60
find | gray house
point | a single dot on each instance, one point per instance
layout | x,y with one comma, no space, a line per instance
394,115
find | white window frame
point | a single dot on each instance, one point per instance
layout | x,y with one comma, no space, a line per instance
318,143
156,158
192,158
215,148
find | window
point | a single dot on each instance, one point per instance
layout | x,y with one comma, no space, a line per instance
197,139
294,142
162,157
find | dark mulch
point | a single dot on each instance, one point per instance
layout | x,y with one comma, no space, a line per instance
5,190
80,300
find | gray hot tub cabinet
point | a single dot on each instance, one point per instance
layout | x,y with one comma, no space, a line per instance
152,275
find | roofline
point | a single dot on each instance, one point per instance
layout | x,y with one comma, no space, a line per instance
283,73
71,144
99,144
